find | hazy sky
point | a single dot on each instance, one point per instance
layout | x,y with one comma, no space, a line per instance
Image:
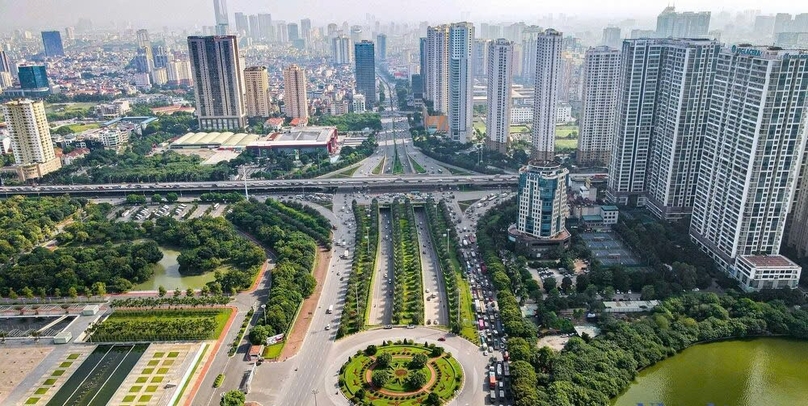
42,14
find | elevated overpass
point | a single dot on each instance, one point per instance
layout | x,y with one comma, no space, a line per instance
371,184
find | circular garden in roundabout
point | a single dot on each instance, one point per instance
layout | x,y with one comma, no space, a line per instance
401,373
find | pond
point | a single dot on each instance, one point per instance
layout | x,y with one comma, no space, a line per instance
764,371
167,275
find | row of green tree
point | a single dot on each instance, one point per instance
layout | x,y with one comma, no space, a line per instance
108,166
352,319
350,121
292,279
408,293
466,156
447,257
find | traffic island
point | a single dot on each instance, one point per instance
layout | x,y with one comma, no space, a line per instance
401,374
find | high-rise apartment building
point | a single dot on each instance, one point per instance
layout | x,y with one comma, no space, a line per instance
52,40
5,63
341,50
611,37
305,31
545,101
600,85
294,34
242,24
671,24
142,38
529,36
265,26
461,81
178,72
31,141
500,78
436,82
356,33
366,71
222,19
662,110
480,57
218,86
256,83
254,31
70,33
753,149
381,47
294,89
542,201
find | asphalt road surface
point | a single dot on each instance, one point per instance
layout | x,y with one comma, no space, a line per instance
382,311
435,311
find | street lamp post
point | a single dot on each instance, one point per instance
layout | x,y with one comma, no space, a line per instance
315,392
264,310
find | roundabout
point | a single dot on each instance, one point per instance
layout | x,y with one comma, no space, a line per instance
401,373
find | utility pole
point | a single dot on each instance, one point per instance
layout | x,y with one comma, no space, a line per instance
315,392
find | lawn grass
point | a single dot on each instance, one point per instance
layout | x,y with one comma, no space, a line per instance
519,129
273,351
563,131
67,107
49,381
73,356
380,167
77,128
416,166
41,391
465,204
346,173
153,363
398,168
66,364
129,398
468,329
457,171
141,379
58,372
32,401
566,143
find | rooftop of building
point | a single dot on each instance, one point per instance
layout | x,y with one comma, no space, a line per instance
609,208
631,304
215,138
304,135
768,261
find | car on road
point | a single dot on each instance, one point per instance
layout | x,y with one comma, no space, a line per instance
328,327
388,327
442,339
411,326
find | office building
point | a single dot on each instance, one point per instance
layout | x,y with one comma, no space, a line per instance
70,33
436,83
671,24
381,47
611,37
31,141
662,110
366,71
461,82
52,40
222,20
33,77
500,79
600,85
218,86
753,150
417,86
341,50
294,82
545,105
542,204
480,57
256,83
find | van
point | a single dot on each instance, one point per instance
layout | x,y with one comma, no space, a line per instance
330,309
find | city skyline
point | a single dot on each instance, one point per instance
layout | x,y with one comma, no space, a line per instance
44,14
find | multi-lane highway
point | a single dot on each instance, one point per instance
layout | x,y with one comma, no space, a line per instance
388,182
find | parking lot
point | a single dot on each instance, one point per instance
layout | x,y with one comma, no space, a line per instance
609,250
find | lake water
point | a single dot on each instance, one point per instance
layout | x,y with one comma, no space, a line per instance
166,274
764,371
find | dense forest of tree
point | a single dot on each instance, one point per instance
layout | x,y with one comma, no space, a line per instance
25,222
